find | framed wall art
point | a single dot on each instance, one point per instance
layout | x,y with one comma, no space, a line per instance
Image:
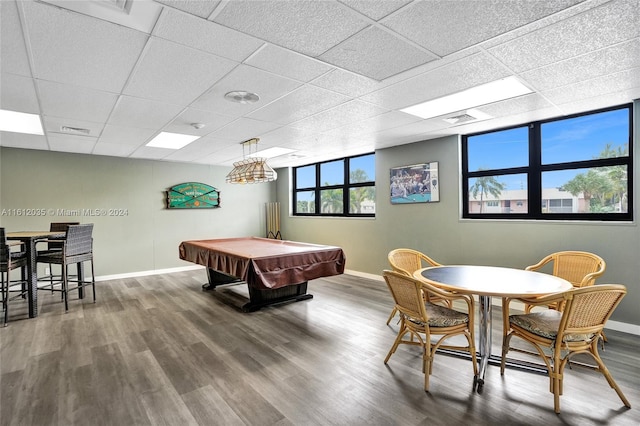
417,183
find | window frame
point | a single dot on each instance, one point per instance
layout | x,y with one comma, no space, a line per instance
535,169
346,186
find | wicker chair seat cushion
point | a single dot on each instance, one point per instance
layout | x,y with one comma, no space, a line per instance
546,324
440,316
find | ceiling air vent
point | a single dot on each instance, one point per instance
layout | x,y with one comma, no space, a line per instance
459,119
75,130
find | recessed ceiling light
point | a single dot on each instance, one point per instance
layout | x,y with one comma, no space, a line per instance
171,140
495,91
271,152
20,122
242,97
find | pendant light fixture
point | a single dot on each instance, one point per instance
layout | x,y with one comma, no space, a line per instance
251,169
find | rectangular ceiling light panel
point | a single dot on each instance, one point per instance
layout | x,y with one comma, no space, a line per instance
171,140
20,122
495,91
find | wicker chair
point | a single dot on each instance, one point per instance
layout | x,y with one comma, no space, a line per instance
565,333
580,268
52,245
10,260
77,247
407,261
423,320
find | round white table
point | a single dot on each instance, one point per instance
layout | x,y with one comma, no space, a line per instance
487,281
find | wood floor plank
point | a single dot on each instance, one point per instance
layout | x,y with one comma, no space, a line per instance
158,350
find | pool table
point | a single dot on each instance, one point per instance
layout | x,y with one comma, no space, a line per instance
275,271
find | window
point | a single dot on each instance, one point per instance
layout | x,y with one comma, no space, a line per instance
344,187
568,168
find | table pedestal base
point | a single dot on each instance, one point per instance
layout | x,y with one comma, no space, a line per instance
258,298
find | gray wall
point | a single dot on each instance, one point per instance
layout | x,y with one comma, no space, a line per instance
436,228
147,238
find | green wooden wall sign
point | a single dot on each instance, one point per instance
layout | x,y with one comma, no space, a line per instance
193,195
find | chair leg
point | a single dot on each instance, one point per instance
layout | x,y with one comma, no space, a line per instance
5,297
393,314
605,372
65,278
396,342
93,282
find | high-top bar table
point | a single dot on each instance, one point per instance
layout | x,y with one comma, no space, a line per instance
30,238
487,281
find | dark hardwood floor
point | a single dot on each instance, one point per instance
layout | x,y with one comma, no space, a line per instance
158,350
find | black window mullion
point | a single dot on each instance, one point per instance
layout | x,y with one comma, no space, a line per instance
534,175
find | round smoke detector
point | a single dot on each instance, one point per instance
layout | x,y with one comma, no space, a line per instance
242,97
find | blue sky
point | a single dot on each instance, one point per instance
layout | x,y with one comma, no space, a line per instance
579,138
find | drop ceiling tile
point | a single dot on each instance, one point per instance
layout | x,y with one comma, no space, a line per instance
339,116
599,86
196,149
266,85
112,149
348,83
56,124
151,153
174,73
199,8
75,102
23,140
244,129
597,28
375,10
377,54
287,63
369,127
284,137
212,122
451,78
444,27
126,135
291,24
71,48
613,59
603,101
13,54
135,112
18,94
301,103
533,101
205,35
71,143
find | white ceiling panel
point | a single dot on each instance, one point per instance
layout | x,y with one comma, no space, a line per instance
266,85
21,140
112,149
451,78
375,10
199,8
174,73
75,102
308,27
71,143
597,28
13,55
114,134
76,49
377,54
287,63
18,94
135,112
332,75
617,58
444,27
341,115
299,104
205,35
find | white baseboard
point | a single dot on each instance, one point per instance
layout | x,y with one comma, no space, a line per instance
147,273
611,325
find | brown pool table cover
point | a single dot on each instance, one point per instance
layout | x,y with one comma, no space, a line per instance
265,263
